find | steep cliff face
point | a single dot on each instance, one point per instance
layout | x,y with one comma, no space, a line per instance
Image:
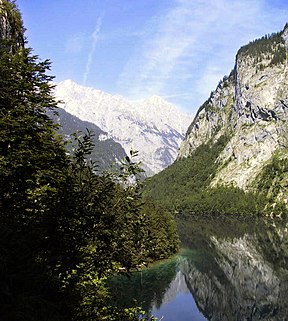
251,107
11,26
212,119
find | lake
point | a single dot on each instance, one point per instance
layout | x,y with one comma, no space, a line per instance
228,269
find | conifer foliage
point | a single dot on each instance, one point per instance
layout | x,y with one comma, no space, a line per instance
64,228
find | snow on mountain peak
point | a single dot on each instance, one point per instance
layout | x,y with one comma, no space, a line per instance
155,100
154,127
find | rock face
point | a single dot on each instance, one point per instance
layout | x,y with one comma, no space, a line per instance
251,107
153,127
11,26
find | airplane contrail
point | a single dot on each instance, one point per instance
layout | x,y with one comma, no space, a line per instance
95,37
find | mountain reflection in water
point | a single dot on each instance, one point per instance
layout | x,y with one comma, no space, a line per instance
227,270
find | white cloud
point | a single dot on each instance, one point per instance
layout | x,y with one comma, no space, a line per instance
193,45
94,38
159,54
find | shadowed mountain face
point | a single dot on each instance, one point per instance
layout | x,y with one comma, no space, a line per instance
11,27
106,152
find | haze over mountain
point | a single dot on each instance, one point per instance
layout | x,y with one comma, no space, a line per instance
153,127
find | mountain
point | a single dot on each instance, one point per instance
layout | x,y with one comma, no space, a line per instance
106,151
251,105
153,127
238,140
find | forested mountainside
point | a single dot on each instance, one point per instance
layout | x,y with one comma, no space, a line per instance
236,146
106,153
64,228
153,127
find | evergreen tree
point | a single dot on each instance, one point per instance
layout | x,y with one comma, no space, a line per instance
63,227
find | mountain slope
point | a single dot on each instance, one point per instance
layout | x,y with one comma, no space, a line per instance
252,105
154,127
106,151
234,157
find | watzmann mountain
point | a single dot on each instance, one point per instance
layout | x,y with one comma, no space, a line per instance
154,127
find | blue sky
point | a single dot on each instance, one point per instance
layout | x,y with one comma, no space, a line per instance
178,49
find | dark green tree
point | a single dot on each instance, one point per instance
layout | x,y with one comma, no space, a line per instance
64,228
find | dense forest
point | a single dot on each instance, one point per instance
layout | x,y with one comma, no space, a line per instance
64,227
184,187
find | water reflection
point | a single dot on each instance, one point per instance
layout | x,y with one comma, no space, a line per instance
233,269
147,288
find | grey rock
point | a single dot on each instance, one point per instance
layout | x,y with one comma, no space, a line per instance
251,106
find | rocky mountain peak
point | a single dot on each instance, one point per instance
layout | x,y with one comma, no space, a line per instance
154,127
155,100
